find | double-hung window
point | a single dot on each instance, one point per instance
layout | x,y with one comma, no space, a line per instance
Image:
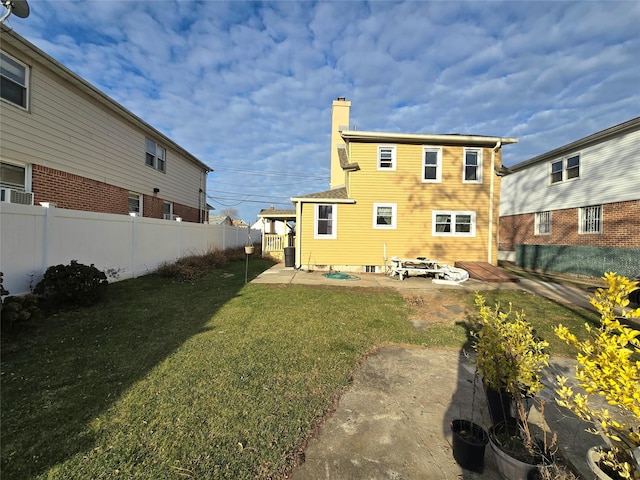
167,211
384,215
14,81
432,164
135,204
14,176
453,224
386,157
155,156
565,169
326,220
472,170
543,223
590,219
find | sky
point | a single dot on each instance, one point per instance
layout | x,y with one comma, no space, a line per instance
247,87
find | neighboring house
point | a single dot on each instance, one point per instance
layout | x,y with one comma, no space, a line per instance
67,143
278,230
220,220
401,194
576,209
239,223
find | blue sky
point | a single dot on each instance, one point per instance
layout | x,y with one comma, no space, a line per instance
247,86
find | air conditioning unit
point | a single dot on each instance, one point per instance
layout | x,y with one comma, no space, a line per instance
170,216
10,195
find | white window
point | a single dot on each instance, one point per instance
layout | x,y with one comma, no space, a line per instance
386,157
565,169
431,164
454,224
384,215
14,78
590,219
155,156
16,177
326,221
167,211
135,203
472,170
543,223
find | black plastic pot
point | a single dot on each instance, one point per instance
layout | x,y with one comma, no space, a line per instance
502,406
469,442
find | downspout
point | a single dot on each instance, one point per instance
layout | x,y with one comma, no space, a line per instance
298,252
491,202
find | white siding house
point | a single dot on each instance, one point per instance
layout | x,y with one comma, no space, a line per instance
576,208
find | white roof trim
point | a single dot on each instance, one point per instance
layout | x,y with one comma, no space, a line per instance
426,138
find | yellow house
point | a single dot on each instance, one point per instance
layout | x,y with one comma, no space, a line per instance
401,195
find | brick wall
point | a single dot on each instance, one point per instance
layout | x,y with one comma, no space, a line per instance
152,207
620,228
74,192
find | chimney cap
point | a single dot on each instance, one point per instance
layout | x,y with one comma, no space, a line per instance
342,99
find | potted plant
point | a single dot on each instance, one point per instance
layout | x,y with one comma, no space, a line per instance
511,358
608,368
469,438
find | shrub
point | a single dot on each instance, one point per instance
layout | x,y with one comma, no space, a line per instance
510,355
609,367
71,285
189,269
181,272
18,309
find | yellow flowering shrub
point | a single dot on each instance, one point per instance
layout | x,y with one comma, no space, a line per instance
609,366
509,355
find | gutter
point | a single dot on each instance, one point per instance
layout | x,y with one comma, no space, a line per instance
321,200
451,139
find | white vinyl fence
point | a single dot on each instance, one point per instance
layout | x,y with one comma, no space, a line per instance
32,238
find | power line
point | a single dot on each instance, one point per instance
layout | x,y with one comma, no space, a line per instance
250,195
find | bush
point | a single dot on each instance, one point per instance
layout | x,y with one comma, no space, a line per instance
18,309
181,272
71,285
189,269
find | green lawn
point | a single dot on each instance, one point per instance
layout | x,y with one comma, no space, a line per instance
207,380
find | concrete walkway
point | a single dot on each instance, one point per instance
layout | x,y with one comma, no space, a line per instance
394,421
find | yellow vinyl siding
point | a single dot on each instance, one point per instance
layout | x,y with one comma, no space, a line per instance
358,243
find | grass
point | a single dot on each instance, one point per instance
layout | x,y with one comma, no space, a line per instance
215,379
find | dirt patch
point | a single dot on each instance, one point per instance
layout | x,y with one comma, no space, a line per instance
442,306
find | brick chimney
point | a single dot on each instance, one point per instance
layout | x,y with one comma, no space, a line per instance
339,121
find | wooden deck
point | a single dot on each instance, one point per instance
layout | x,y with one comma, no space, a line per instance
486,272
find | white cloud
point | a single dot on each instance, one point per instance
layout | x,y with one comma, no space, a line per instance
248,86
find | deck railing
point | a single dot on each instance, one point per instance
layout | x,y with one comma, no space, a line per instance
276,243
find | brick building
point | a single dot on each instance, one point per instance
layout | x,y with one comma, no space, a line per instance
576,209
65,142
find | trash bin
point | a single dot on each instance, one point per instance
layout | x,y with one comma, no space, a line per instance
289,256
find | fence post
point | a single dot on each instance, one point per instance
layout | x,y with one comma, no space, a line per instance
47,240
134,235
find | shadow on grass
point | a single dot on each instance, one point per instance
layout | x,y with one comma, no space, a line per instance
61,373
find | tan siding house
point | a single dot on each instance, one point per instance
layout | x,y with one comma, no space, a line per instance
403,195
81,150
